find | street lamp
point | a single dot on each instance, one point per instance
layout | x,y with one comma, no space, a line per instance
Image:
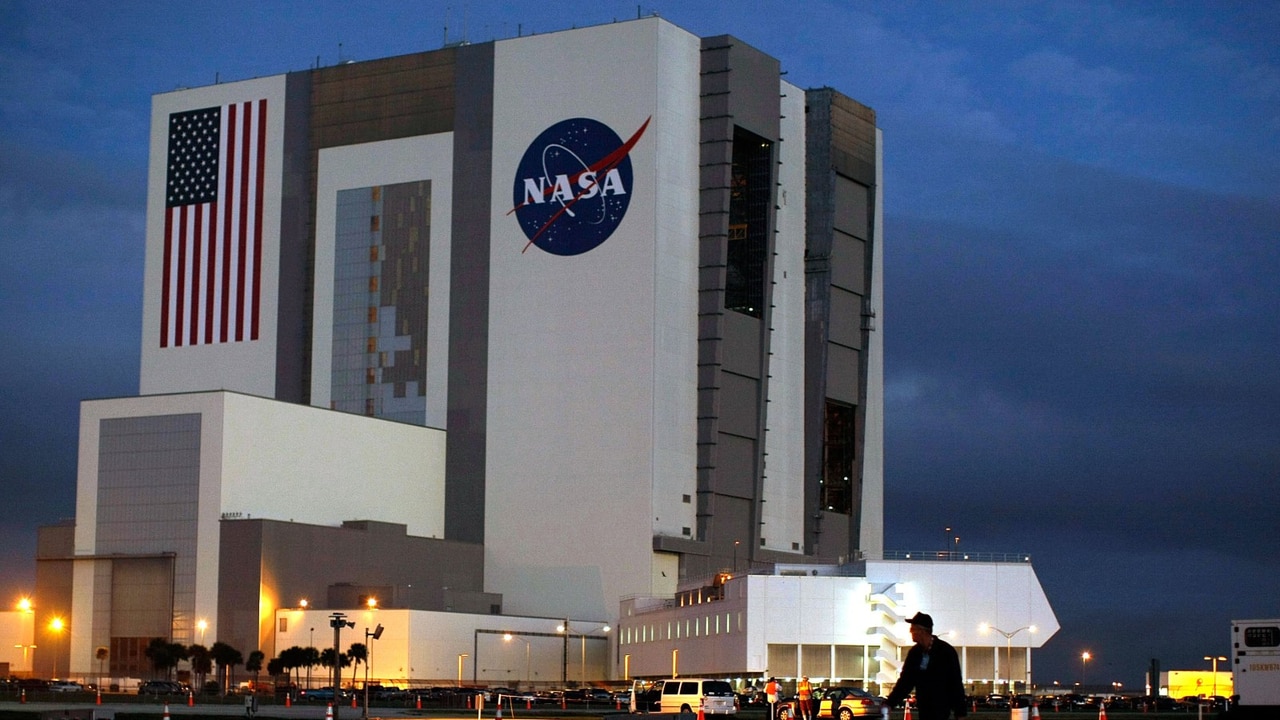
24,655
583,636
528,676
56,626
1216,659
1008,652
1085,657
202,625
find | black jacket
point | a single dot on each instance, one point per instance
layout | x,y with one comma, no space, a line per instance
939,689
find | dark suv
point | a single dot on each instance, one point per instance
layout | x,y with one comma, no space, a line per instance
161,687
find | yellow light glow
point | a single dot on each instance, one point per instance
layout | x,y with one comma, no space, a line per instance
372,602
56,624
24,605
302,603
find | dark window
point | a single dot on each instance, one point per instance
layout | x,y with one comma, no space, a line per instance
750,193
838,455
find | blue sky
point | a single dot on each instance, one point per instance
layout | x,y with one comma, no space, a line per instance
1081,262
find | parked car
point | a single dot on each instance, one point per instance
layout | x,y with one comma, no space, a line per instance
324,694
65,686
839,703
161,687
677,695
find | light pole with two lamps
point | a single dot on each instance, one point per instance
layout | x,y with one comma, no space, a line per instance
1216,659
564,628
1008,652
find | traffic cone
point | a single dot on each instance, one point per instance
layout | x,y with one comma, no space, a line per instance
328,711
419,701
701,712
353,700
1035,710
907,715
288,699
191,699
98,700
1102,710
166,711
24,696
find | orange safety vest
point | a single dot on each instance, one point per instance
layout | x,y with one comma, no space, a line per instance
804,689
771,689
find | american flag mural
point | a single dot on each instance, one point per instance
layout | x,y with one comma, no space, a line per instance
212,282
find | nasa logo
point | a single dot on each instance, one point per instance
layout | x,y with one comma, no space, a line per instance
573,185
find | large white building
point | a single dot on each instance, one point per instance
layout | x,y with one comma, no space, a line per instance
506,347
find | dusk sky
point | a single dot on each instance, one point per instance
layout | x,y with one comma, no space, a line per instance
1081,245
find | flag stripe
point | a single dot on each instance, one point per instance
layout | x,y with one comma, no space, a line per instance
212,279
257,216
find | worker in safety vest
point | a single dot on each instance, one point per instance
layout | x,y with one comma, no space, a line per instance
771,694
804,691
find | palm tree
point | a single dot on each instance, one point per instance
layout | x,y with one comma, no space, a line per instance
101,654
164,655
357,653
312,656
227,658
201,664
254,664
295,658
326,659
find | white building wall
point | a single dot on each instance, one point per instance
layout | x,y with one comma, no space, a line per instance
591,381
783,507
266,459
427,157
871,535
246,366
813,605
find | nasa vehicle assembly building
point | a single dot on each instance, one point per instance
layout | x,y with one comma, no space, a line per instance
512,351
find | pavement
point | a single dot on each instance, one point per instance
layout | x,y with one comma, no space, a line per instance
301,711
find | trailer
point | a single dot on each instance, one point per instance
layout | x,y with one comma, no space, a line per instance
1255,663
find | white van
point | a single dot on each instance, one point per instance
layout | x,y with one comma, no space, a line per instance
686,695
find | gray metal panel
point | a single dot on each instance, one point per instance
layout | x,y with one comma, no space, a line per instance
848,263
469,295
846,314
852,211
297,209
155,459
842,375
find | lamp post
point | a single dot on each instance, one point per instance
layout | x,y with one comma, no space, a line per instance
583,636
56,626
1008,652
1216,659
564,658
368,653
528,676
1085,657
24,656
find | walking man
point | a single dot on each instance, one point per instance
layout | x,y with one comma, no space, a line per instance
932,669
803,692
